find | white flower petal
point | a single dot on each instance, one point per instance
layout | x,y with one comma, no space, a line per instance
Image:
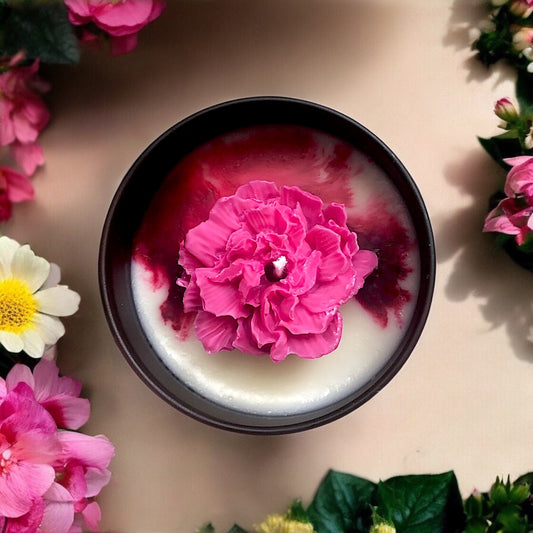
29,267
11,341
50,328
57,301
8,247
54,277
33,343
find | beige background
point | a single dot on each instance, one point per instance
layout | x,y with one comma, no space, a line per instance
402,68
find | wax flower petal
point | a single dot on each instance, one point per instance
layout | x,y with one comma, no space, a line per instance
268,270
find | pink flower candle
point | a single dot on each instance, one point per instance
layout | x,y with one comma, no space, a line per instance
265,241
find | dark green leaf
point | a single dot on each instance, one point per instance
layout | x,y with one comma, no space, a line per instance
342,504
41,29
500,148
422,503
237,529
524,93
297,512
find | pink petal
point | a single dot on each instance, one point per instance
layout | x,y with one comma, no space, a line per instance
92,516
19,374
311,346
123,44
19,187
28,156
219,298
95,480
67,411
25,483
58,513
215,333
91,451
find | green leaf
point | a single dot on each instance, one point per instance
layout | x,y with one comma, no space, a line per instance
422,503
237,529
41,29
206,528
297,512
500,148
342,504
524,93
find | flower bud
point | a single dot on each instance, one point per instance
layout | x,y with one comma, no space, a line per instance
505,110
522,39
521,8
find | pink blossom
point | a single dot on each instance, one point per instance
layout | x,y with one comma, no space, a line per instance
28,447
513,214
58,395
14,187
268,271
121,19
23,114
82,471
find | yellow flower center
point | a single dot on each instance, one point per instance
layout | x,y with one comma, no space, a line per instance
17,306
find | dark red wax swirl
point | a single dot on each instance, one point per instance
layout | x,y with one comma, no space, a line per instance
286,155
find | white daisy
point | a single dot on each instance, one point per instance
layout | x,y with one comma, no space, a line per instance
31,300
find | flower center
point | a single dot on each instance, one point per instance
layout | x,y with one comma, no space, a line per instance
276,270
5,461
17,306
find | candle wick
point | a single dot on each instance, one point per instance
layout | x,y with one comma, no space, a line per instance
279,266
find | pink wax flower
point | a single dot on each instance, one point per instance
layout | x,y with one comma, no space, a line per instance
14,187
23,114
121,19
268,271
513,214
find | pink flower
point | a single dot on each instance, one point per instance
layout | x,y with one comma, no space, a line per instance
513,214
58,495
23,114
28,447
505,109
121,19
58,395
14,187
82,470
268,271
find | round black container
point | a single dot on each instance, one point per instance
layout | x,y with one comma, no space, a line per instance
132,199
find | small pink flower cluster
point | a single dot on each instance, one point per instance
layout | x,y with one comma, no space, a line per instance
23,114
514,214
49,473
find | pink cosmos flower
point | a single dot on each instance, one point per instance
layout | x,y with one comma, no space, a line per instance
23,114
121,19
268,271
14,187
513,214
